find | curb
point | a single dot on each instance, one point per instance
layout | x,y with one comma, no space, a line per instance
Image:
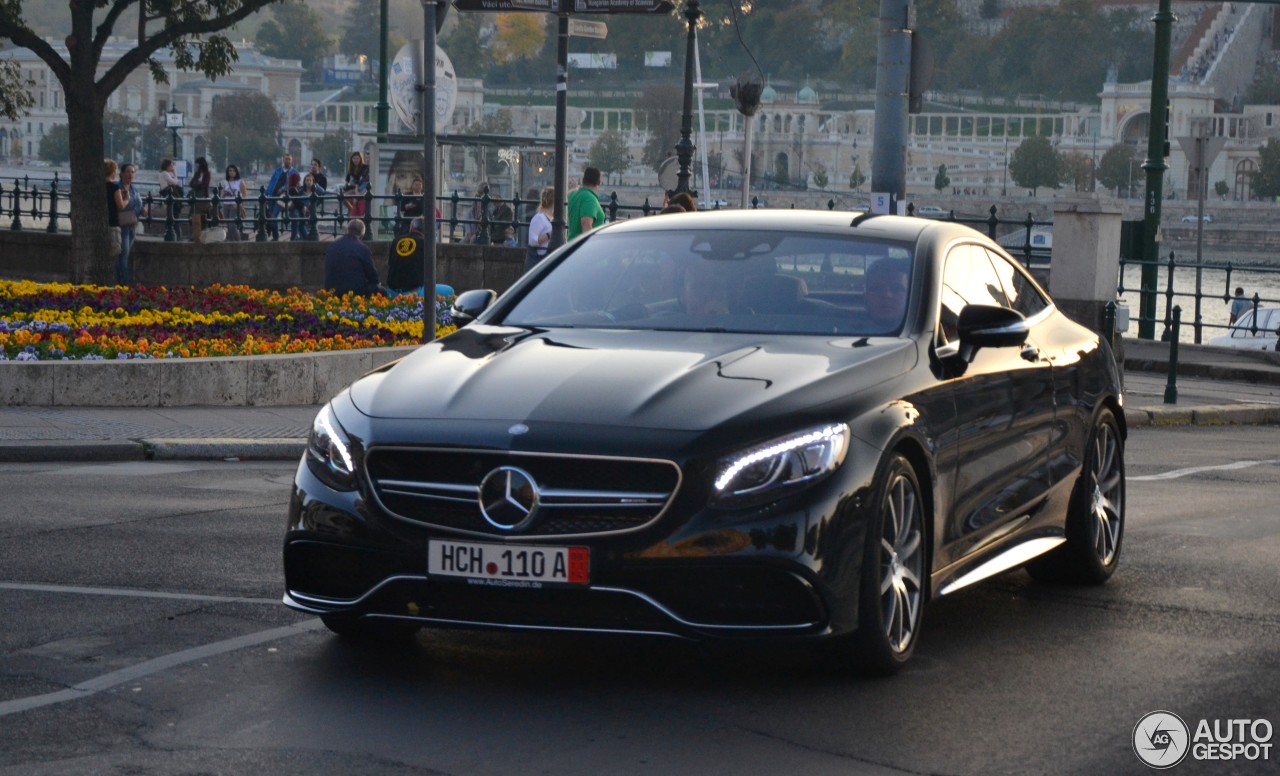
225,448
63,451
1205,415
1237,374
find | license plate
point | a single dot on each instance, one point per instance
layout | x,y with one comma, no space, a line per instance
507,565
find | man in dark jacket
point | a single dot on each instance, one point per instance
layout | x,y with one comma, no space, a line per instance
348,264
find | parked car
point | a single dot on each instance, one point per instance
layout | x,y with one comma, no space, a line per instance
720,425
929,211
718,203
1191,218
1253,332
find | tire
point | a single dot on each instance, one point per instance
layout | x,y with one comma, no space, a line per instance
893,579
1095,517
356,629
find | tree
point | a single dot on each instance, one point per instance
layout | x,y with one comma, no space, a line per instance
1221,189
609,153
1076,170
14,96
1265,181
295,31
518,36
155,144
1034,164
1115,171
245,125
188,29
941,181
361,30
55,148
856,176
820,176
333,150
661,106
119,133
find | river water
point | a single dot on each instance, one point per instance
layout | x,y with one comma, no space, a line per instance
1247,273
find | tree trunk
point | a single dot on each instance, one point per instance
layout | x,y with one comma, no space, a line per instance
91,261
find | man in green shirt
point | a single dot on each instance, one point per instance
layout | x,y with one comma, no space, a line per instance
585,212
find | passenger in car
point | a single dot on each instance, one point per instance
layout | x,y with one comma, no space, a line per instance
704,292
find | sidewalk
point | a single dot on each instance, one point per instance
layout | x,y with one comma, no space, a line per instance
1215,386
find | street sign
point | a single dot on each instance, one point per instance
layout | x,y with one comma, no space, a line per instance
584,29
505,6
623,6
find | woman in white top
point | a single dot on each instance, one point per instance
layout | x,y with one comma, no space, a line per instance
540,229
232,187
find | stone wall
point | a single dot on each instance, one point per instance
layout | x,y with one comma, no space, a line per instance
273,265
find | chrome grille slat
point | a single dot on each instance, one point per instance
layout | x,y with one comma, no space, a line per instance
569,490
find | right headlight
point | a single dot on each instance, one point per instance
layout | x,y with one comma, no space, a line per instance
780,466
329,451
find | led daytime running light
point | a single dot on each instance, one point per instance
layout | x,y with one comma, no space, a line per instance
335,439
784,446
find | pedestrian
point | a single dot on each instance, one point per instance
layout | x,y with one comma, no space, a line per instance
473,228
233,188
129,210
348,264
405,263
317,170
356,185
540,229
410,207
585,212
503,215
1238,305
114,203
299,205
170,187
199,186
276,188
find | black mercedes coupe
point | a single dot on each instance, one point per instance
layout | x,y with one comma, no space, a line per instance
766,423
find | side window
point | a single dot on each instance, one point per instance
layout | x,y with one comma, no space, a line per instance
967,279
1022,293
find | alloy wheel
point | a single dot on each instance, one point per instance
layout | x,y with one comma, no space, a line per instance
901,562
1107,501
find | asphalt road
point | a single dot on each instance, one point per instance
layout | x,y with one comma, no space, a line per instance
142,634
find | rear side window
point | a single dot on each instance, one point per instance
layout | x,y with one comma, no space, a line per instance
1022,294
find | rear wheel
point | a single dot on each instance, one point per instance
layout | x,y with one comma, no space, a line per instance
357,629
892,596
1095,519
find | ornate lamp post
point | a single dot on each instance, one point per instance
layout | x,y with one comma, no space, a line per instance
174,121
684,149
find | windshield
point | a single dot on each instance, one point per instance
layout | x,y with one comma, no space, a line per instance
725,280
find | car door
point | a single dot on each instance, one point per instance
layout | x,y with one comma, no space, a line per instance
1004,414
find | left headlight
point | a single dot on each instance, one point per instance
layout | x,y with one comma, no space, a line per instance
780,466
329,451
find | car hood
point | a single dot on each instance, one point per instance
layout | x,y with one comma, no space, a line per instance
645,379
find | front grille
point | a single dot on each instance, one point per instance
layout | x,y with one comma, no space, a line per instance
579,495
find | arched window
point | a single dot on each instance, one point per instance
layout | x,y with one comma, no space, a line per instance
1244,180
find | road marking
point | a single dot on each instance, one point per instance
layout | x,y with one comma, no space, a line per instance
125,593
154,666
1176,473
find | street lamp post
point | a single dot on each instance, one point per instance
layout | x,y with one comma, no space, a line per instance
174,121
684,148
111,152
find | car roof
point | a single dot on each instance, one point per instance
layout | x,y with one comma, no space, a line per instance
884,227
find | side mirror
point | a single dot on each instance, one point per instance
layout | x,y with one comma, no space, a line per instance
988,326
468,305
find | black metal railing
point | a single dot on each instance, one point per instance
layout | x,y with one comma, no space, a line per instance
1189,284
482,219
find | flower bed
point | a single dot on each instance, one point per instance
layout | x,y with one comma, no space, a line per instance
60,321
